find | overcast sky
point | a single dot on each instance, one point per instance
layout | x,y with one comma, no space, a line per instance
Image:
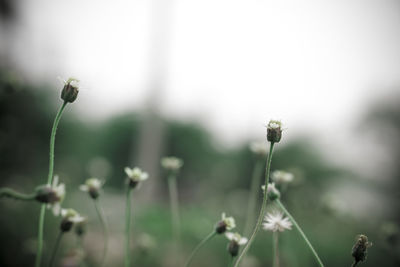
231,65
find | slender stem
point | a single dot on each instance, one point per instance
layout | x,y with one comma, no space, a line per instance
53,255
263,206
254,191
204,241
79,244
128,227
300,231
100,213
8,192
230,263
49,180
354,264
174,203
40,235
52,142
275,261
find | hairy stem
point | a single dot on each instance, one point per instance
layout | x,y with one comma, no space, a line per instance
128,227
55,249
100,213
201,244
49,180
301,232
263,206
254,191
8,192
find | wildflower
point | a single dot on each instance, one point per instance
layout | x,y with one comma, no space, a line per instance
359,250
69,218
52,195
70,91
80,227
272,192
274,131
227,223
281,177
172,164
258,148
276,222
135,176
92,186
236,240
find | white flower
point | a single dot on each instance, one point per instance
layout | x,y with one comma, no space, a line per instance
272,192
276,222
136,174
72,215
282,177
229,222
236,237
58,196
92,186
171,163
274,124
258,148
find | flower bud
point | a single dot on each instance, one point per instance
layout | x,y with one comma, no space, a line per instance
80,228
69,218
359,250
274,131
46,194
226,223
92,186
135,176
272,192
70,91
233,248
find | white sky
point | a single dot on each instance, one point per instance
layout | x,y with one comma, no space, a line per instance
231,65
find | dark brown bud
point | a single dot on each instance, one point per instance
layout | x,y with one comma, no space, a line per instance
70,91
66,225
359,250
46,194
233,248
220,228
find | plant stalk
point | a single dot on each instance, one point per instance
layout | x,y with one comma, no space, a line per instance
128,227
300,231
201,244
275,261
55,249
8,192
100,213
263,206
174,203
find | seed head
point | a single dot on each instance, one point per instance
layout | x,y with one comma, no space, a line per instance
359,250
275,221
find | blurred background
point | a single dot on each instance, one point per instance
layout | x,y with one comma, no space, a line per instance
200,80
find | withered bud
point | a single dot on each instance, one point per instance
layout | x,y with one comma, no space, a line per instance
70,91
359,250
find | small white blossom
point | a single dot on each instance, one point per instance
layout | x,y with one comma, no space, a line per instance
229,222
59,195
276,222
272,192
72,215
274,124
282,177
236,237
136,174
92,186
171,163
258,148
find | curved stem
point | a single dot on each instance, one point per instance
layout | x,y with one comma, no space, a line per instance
53,255
128,227
204,241
275,261
263,206
52,142
254,191
8,192
300,231
174,203
49,180
100,213
230,263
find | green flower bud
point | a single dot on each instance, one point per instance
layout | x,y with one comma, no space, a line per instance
274,131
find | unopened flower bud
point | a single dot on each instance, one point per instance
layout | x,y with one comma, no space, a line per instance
236,240
92,186
233,248
274,131
69,218
70,91
359,250
80,228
